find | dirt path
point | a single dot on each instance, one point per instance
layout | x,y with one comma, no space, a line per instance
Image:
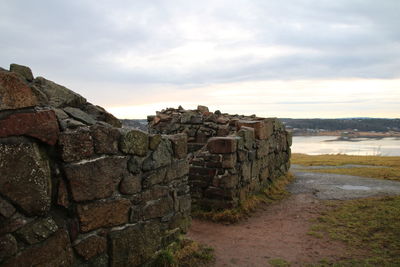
279,231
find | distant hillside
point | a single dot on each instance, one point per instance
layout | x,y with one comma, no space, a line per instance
359,124
137,124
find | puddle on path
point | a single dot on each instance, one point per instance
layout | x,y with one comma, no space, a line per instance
354,187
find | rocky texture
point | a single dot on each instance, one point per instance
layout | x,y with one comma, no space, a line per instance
69,174
14,92
42,125
232,156
25,177
133,245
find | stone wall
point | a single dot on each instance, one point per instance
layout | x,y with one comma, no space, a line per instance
232,156
77,190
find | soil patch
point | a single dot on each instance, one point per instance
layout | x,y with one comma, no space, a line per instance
277,231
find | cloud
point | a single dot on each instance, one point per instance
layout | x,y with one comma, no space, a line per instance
128,47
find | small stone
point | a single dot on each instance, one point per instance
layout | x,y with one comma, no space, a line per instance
41,125
229,161
6,209
103,214
155,140
185,203
70,124
37,231
24,71
202,109
135,142
60,114
76,145
222,145
91,246
135,164
14,93
105,139
154,177
179,145
25,177
80,115
8,247
130,185
95,179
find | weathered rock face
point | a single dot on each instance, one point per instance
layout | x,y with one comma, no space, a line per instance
14,93
76,190
233,156
25,177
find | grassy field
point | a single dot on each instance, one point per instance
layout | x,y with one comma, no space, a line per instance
385,167
276,191
370,225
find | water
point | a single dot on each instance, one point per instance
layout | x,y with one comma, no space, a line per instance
316,145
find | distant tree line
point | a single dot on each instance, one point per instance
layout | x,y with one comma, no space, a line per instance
361,124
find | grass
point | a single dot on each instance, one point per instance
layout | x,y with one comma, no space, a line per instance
275,191
278,263
371,225
390,166
185,253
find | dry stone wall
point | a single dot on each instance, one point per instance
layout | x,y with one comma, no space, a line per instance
232,156
77,190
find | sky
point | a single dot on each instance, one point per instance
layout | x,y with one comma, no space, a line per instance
288,58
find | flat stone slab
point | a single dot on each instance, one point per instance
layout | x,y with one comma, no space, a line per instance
336,186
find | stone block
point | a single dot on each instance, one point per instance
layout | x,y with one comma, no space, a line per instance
95,179
79,115
42,125
8,247
25,177
24,71
248,136
134,142
100,114
178,169
55,251
14,92
229,161
154,193
91,247
58,95
105,139
158,208
130,185
154,177
202,109
37,231
134,245
12,224
179,145
154,141
222,145
262,129
162,156
76,145
70,124
103,214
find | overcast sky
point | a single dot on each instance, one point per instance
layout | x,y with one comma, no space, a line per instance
300,58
